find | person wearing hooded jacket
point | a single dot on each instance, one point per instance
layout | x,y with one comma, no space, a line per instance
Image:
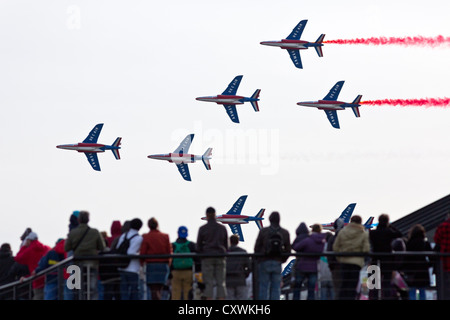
30,254
306,266
54,256
352,238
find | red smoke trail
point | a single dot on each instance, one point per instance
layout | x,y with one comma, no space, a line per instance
426,102
405,41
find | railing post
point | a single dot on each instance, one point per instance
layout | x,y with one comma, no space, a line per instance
60,283
255,287
440,280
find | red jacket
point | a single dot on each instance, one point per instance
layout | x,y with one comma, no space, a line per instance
30,256
156,242
442,238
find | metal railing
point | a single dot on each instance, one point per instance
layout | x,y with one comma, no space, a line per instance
23,289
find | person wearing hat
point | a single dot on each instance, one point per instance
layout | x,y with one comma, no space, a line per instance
182,268
29,254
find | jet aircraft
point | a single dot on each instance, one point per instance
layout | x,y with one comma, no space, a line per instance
229,99
90,147
234,218
181,157
330,105
345,217
293,44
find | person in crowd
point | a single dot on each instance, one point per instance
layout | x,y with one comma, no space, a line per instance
352,238
380,240
6,263
86,241
129,276
212,238
272,244
416,268
306,266
182,268
157,269
333,263
301,233
54,256
238,269
116,231
324,276
73,220
442,241
30,254
11,271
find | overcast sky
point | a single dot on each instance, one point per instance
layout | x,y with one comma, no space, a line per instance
137,67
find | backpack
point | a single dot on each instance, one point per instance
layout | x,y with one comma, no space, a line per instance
108,268
123,250
274,244
182,263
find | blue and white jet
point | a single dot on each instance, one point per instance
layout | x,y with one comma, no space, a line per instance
293,44
330,105
234,218
229,99
90,147
181,157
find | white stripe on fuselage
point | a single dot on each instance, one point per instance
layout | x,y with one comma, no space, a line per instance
290,45
176,158
221,101
232,221
82,149
333,106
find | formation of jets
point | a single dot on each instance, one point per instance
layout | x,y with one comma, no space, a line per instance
229,99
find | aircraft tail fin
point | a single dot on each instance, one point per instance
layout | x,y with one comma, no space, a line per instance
116,151
205,158
368,223
260,215
356,109
319,48
255,102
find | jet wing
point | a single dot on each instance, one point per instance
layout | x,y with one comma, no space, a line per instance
185,144
93,135
233,86
332,116
237,230
93,160
295,57
232,112
237,206
184,170
297,31
334,92
287,270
